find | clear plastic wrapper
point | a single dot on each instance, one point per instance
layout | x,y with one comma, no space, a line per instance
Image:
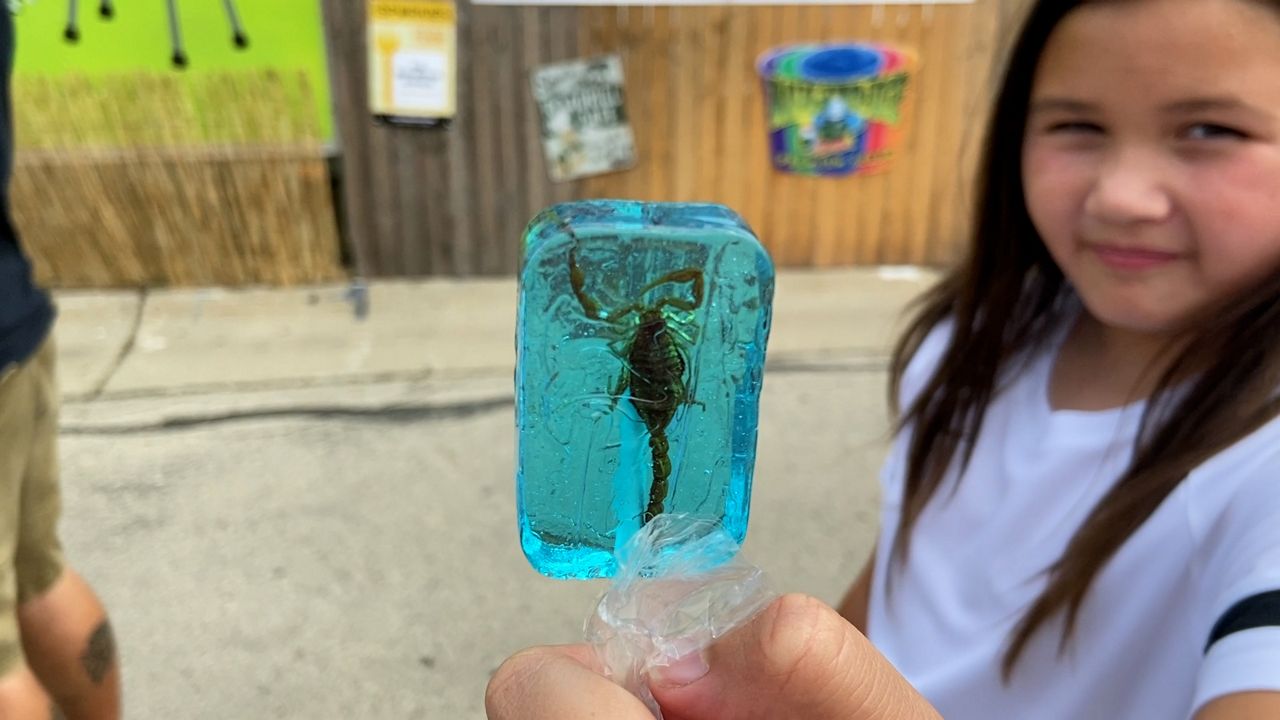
681,584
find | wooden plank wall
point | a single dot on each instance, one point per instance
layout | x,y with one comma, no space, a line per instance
453,202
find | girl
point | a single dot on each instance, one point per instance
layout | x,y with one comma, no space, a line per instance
1081,514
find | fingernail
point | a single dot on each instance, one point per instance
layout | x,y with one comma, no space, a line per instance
681,671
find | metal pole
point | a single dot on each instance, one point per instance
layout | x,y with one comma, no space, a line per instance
72,33
237,30
175,35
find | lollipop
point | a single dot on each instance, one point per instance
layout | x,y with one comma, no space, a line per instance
640,342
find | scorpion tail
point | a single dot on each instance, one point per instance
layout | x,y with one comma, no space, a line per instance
661,472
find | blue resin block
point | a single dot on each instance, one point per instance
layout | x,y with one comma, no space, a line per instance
640,346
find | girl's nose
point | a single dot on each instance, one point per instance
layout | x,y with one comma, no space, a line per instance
1129,188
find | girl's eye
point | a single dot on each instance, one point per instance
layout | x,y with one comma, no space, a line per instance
1211,131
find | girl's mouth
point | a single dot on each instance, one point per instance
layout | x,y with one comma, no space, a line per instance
1132,259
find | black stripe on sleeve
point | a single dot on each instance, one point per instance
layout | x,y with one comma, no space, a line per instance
1261,610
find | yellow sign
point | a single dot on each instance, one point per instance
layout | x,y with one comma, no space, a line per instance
413,60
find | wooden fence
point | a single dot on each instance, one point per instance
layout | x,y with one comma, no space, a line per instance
181,216
152,179
454,201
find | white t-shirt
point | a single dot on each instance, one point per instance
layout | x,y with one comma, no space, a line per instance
980,548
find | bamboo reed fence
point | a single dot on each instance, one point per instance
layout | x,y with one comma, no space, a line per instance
153,180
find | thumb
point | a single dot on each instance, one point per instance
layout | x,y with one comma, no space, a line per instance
796,659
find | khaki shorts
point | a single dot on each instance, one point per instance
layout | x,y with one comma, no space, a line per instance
30,554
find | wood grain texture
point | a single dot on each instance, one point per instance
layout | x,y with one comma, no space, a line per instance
696,104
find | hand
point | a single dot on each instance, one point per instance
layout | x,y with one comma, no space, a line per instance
796,659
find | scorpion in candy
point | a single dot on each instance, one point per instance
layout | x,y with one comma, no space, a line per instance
654,363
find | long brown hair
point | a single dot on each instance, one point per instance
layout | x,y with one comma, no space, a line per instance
1005,299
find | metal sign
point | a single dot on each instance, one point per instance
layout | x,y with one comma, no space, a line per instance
413,61
584,119
835,108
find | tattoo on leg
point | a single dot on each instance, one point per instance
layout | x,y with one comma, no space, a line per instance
100,653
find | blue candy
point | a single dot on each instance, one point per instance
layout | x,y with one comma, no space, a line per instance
640,347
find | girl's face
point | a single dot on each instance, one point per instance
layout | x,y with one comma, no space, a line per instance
1152,157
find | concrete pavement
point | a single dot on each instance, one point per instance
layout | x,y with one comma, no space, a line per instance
164,342
295,513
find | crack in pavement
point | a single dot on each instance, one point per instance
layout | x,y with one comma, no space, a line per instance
411,413
125,349
273,385
390,413
862,363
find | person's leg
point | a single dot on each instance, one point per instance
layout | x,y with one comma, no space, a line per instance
69,645
21,696
66,638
